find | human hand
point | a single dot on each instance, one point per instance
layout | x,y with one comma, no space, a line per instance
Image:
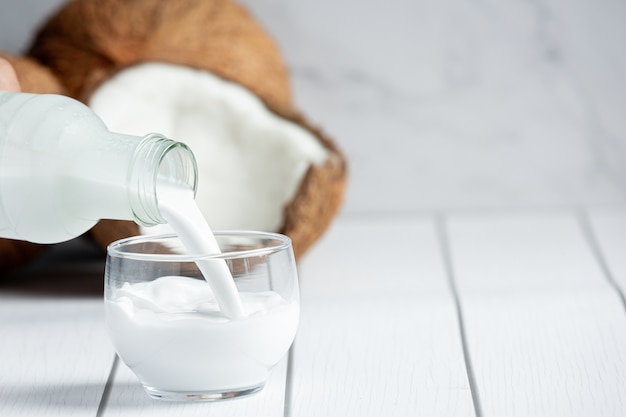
8,79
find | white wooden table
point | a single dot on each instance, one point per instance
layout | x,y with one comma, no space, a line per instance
499,313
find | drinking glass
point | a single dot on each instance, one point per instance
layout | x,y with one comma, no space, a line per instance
165,324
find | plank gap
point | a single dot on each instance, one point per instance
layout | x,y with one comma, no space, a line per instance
288,383
446,253
104,400
592,240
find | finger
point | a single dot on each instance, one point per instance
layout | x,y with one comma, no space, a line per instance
8,78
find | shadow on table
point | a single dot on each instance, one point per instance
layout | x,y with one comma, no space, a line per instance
69,269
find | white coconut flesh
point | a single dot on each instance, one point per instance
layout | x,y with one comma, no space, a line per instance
250,162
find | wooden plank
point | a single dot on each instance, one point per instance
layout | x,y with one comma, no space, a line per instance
545,331
378,334
56,356
127,398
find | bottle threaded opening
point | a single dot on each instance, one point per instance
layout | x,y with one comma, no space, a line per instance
158,162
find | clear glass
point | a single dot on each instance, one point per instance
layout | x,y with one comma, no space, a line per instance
166,327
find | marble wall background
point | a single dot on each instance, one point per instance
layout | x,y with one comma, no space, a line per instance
451,104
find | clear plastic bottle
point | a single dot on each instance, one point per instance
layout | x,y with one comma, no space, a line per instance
61,170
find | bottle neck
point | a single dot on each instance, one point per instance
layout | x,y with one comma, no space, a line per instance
158,162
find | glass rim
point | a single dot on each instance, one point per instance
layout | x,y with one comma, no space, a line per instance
114,248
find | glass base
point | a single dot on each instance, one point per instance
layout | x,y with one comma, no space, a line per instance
196,396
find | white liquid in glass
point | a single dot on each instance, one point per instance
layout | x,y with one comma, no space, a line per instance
171,333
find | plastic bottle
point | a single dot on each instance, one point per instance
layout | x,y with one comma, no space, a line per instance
61,170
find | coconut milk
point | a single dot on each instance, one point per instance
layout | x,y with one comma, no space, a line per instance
190,346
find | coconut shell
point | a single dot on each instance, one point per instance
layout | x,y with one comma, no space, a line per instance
320,193
33,78
108,231
87,41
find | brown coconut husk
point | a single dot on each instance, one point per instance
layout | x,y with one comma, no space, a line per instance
33,78
87,42
320,193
